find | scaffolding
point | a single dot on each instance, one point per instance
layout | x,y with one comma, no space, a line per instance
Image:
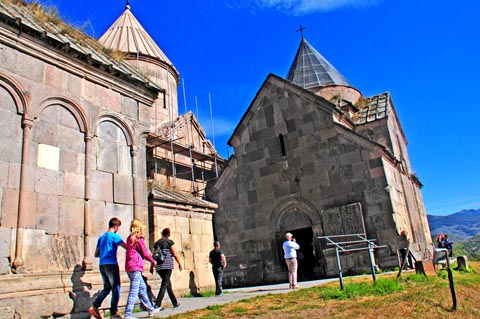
188,154
350,243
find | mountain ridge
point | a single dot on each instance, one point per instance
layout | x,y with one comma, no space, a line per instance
459,226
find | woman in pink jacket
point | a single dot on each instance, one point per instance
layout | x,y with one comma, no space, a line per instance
134,264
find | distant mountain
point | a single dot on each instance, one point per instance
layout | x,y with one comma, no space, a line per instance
470,247
459,226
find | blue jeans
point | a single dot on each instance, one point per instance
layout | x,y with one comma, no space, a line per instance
218,275
111,282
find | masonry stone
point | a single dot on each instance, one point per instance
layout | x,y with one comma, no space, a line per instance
122,189
48,209
101,186
49,181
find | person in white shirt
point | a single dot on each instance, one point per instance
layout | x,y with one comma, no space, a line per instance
290,248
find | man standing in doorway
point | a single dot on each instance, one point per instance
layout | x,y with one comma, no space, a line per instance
219,262
290,248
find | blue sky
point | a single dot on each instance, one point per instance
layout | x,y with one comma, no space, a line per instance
425,53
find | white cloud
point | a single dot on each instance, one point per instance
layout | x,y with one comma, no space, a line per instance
302,7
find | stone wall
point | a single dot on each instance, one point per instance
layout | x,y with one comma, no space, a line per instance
192,231
72,155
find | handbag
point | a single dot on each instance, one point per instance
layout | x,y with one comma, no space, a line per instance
158,255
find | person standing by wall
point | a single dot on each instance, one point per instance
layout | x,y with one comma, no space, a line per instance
107,245
165,269
439,239
219,262
290,248
134,266
448,244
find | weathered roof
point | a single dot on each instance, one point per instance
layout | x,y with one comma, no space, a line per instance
127,35
376,108
56,34
310,69
172,196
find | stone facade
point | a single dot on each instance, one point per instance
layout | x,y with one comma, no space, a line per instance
76,129
302,165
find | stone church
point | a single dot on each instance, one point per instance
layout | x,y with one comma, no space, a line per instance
90,130
314,157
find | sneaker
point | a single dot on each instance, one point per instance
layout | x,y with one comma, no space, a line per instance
296,287
221,294
94,312
177,305
117,316
154,312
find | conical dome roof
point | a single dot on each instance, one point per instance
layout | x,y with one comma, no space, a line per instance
310,69
127,35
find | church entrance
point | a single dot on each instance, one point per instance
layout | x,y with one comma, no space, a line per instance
305,255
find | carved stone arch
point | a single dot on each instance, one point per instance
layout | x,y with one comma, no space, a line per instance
126,129
75,109
16,92
290,205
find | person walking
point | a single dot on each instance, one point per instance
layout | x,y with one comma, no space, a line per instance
219,263
134,266
165,269
290,248
106,250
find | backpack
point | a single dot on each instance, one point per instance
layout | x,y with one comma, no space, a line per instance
158,255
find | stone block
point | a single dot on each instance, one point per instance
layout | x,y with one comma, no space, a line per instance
72,140
29,67
71,216
36,251
45,133
48,181
5,236
144,112
87,91
462,262
14,176
55,77
205,277
128,107
195,226
101,186
74,84
29,200
141,189
9,207
10,149
48,213
187,260
207,227
182,225
196,242
4,166
122,189
98,217
48,157
74,185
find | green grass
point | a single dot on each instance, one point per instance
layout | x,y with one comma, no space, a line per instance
409,296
